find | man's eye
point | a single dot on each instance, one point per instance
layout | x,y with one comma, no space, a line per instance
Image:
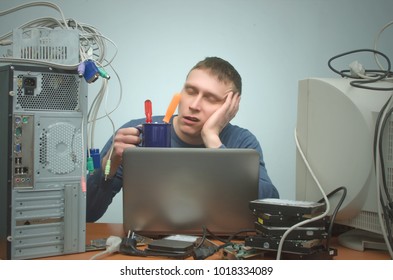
212,99
191,92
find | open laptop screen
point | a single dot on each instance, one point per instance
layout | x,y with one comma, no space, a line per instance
180,190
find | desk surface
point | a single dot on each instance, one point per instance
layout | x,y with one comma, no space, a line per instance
104,230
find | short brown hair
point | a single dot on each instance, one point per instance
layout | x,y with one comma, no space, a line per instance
222,69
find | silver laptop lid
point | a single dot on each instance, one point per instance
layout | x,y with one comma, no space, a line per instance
180,190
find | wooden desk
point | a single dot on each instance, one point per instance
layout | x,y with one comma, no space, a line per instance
104,230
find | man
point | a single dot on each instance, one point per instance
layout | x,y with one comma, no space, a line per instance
209,101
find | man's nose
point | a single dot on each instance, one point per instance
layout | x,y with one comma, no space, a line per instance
196,102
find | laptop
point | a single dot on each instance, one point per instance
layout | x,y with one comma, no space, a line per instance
170,191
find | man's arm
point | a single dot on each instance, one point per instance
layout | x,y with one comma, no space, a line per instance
100,193
101,187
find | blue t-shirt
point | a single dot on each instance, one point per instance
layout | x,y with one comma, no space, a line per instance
100,192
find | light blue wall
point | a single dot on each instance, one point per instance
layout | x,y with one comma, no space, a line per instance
273,44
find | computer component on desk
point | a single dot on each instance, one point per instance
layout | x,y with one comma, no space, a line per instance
292,246
181,191
286,207
268,219
241,252
42,201
304,233
330,148
170,246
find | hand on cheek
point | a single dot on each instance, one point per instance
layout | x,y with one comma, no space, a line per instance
219,119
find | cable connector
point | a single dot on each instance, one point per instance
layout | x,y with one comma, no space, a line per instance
204,252
103,73
128,246
95,155
91,72
112,246
81,69
107,169
90,165
357,70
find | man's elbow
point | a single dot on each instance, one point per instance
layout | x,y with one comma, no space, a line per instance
268,190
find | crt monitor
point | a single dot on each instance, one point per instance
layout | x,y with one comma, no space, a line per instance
335,130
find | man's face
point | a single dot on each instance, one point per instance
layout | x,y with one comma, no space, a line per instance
201,96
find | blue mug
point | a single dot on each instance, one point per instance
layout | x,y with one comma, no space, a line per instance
156,134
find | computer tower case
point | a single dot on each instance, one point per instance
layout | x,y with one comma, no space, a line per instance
42,165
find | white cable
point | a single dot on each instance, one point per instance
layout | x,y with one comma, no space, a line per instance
92,46
94,111
378,183
84,156
38,62
327,210
89,34
32,4
112,246
119,100
92,116
357,71
376,41
113,135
